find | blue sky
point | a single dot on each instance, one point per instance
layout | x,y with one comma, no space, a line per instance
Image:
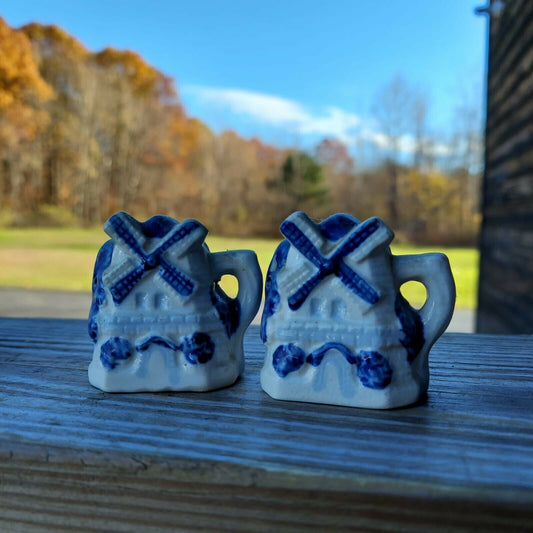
291,72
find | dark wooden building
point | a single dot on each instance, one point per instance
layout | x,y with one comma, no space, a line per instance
505,301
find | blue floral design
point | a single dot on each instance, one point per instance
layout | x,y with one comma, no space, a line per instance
287,358
198,348
373,369
114,350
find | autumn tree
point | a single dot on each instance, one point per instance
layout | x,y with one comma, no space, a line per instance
422,147
340,177
22,91
400,111
61,61
301,182
465,166
233,174
433,206
111,110
178,156
131,118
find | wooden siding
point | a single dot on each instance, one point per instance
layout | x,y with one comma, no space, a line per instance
505,303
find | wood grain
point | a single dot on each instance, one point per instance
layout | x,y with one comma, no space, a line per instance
75,458
505,301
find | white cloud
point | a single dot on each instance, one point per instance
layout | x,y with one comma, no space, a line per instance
278,111
441,149
406,143
272,110
379,139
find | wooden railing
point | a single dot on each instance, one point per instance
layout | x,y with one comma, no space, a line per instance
75,458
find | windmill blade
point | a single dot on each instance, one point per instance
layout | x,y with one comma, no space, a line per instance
301,242
357,237
356,283
185,234
121,228
307,226
299,297
123,287
180,282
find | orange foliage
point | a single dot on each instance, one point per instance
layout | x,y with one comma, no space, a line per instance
52,37
22,89
182,136
143,77
20,81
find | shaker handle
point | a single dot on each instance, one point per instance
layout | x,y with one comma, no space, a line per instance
434,272
244,266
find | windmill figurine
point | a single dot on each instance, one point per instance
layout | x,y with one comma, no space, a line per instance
336,327
159,320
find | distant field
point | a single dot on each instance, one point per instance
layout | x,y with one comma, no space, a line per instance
63,259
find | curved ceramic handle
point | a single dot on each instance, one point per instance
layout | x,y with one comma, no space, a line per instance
244,266
434,272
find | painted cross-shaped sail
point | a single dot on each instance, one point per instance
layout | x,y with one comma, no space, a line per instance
358,242
128,234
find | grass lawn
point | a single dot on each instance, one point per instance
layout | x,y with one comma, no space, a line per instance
63,259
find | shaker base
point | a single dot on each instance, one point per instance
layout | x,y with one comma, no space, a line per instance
336,383
159,371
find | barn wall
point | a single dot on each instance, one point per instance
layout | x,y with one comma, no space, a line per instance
505,301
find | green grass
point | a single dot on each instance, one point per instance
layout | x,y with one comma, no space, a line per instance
53,239
63,259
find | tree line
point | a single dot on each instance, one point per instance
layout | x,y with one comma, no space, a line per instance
85,134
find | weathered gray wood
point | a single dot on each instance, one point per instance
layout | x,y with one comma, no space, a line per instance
505,302
75,458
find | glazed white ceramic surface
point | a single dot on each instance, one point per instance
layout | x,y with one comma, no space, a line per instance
336,328
159,321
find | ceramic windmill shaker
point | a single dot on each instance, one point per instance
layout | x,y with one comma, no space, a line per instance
336,327
159,319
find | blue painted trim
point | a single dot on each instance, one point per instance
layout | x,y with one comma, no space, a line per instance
159,341
197,348
157,226
412,327
337,226
373,369
315,357
272,297
228,309
103,260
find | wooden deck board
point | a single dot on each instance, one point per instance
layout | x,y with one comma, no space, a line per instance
74,457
